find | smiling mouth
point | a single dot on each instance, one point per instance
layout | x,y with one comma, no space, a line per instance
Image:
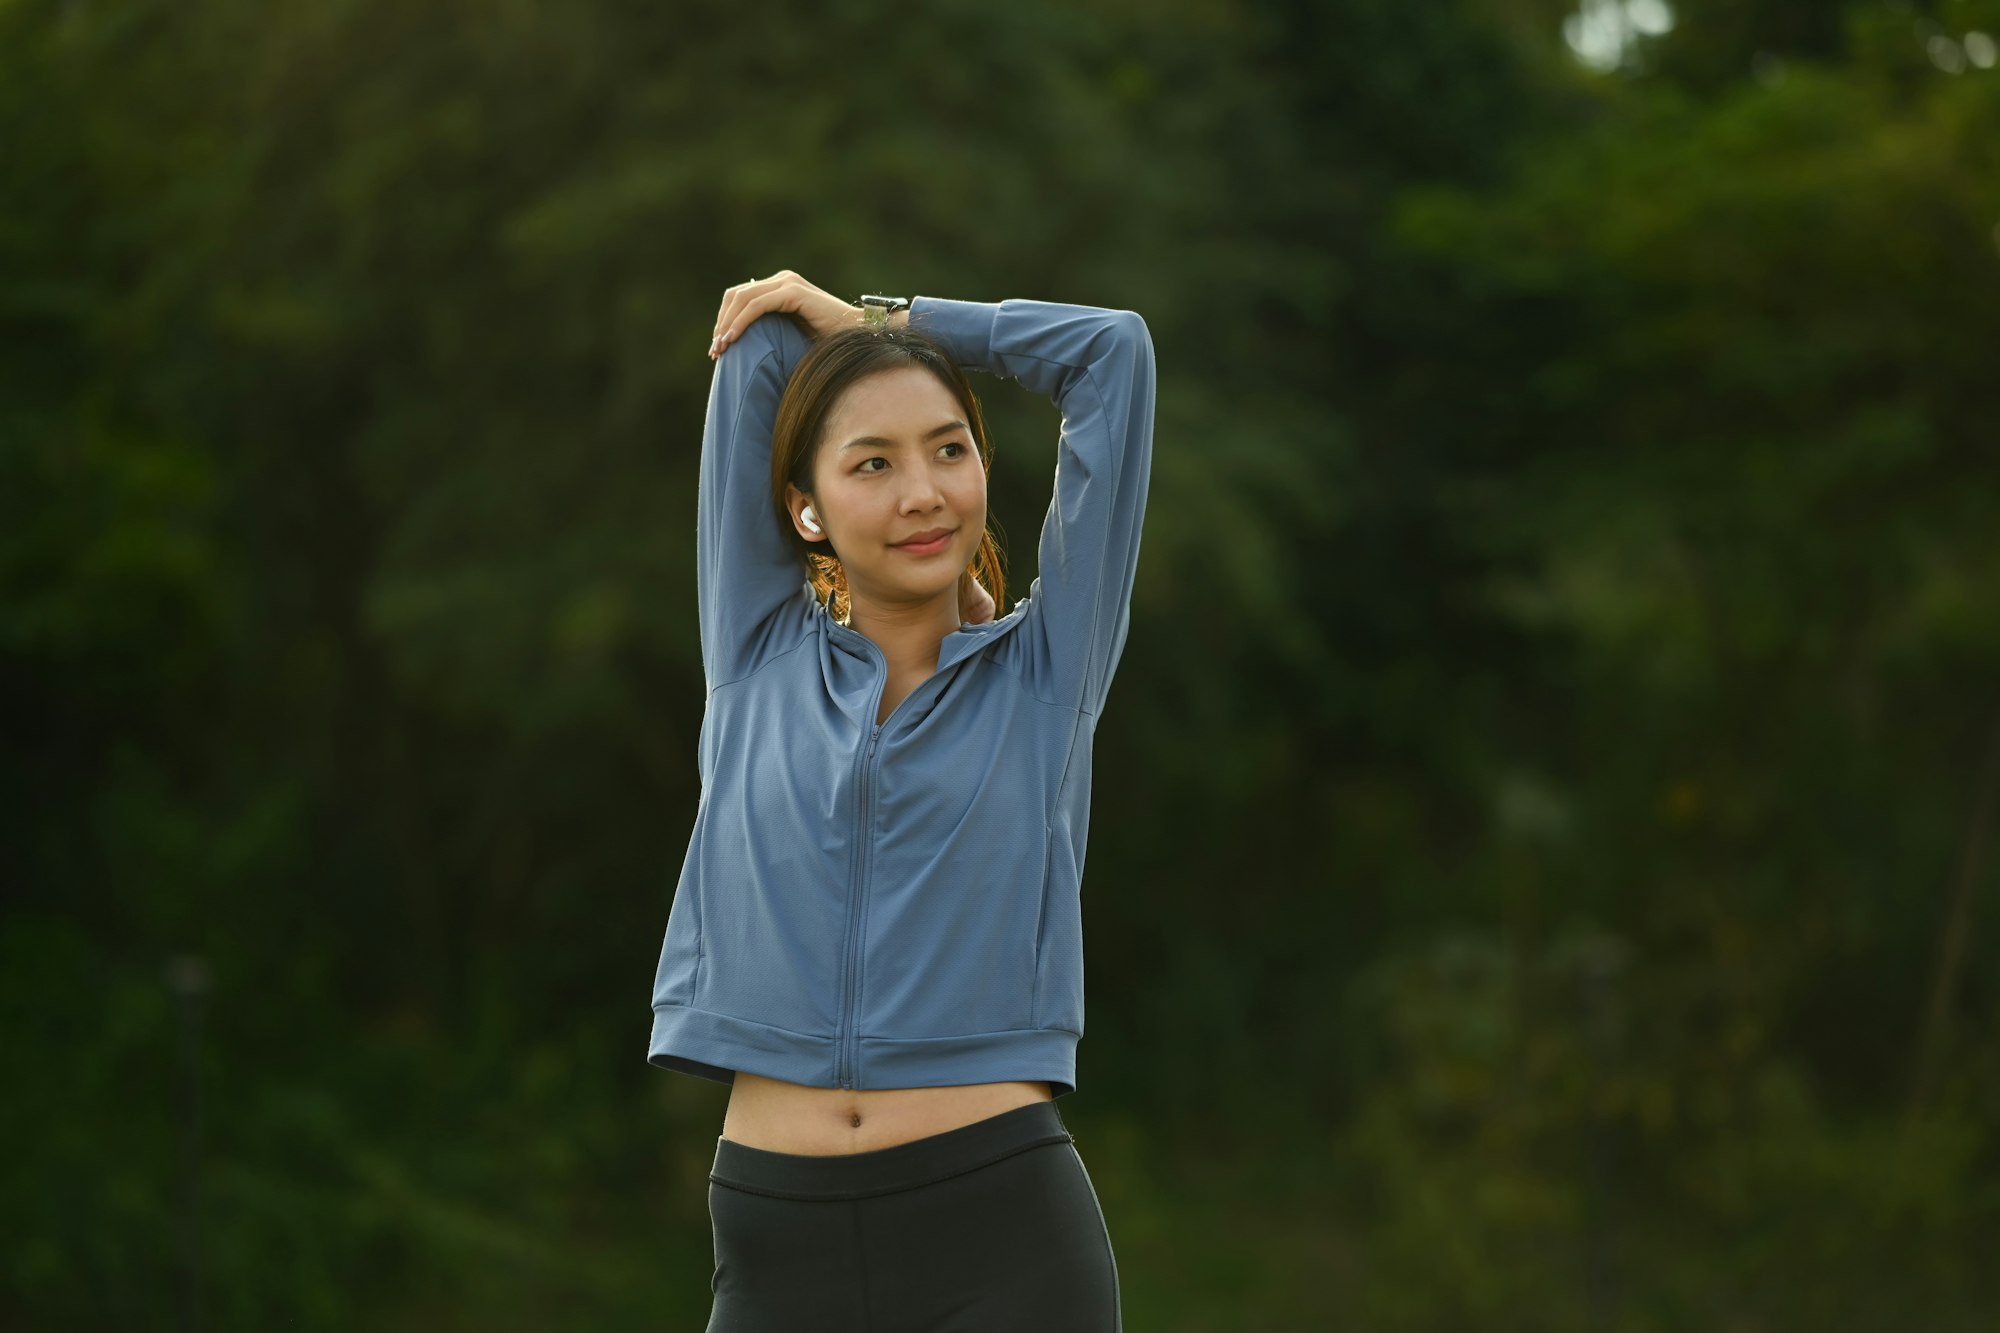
930,547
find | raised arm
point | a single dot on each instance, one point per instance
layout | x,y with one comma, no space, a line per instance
745,574
1097,366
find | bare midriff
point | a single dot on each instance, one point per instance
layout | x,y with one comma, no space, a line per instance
778,1116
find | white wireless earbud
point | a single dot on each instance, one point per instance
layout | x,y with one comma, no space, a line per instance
809,521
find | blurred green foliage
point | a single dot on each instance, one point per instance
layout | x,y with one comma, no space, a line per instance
1542,859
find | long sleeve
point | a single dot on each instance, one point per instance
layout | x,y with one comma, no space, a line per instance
1097,366
744,571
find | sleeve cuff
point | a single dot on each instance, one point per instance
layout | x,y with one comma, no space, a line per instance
965,328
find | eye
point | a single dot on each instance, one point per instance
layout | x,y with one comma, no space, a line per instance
960,445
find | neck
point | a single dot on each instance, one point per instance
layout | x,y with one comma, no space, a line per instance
908,633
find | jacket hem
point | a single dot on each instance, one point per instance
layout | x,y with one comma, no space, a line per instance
714,1046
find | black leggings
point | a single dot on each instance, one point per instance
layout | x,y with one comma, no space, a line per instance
991,1226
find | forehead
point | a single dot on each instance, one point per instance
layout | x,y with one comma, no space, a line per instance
895,404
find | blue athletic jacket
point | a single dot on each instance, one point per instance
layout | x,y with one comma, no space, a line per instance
898,906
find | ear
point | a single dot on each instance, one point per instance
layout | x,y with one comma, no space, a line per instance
796,501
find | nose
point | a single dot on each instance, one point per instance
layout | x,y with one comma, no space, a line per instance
923,494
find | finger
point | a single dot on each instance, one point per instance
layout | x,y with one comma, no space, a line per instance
732,301
755,298
742,305
722,310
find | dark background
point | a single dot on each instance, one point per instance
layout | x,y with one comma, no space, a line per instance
1542,861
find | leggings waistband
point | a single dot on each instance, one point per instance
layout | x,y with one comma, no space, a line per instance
902,1166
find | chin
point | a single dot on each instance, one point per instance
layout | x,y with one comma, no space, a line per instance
920,589
935,587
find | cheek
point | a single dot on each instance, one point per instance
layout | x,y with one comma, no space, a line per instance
854,505
969,492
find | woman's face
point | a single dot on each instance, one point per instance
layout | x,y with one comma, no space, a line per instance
897,461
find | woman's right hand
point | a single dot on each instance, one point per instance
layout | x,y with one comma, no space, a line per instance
822,311
975,604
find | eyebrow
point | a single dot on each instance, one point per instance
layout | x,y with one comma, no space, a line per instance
930,434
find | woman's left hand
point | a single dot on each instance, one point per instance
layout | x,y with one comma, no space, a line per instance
821,311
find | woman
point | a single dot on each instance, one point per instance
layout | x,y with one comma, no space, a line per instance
876,939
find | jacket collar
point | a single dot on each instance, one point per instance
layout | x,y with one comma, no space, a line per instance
954,648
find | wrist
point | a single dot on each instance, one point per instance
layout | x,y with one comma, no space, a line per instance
884,312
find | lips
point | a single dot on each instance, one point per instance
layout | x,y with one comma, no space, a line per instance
924,538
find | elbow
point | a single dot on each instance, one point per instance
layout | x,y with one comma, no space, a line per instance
1131,324
1123,333
773,331
1130,328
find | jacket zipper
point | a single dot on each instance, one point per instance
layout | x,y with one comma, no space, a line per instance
847,1043
851,1035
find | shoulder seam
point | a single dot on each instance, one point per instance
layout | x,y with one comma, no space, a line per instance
1021,683
774,657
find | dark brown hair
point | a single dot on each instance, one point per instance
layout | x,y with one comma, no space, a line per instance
833,363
